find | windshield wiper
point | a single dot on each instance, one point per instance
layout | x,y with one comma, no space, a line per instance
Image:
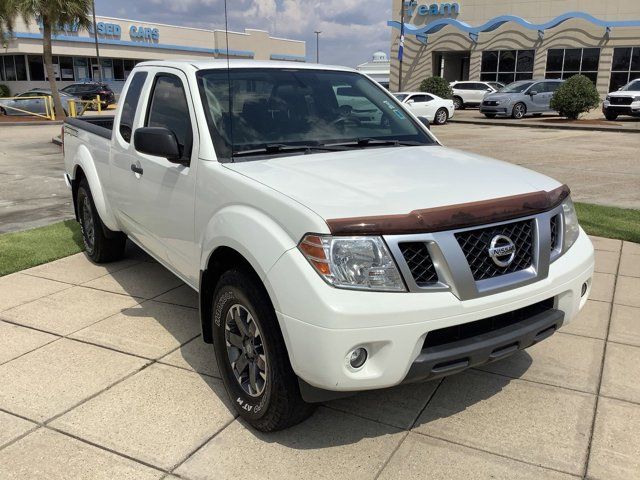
275,148
373,142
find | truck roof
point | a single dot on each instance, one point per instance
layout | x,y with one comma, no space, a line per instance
222,64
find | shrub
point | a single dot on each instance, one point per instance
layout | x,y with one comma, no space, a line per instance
575,96
438,86
4,91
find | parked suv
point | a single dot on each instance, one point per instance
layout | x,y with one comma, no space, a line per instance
466,94
625,101
91,90
520,98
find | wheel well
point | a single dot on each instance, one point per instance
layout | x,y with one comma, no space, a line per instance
221,260
74,187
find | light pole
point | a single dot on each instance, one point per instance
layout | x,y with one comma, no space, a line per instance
317,45
95,36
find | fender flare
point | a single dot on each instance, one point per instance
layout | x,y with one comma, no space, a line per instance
85,161
253,235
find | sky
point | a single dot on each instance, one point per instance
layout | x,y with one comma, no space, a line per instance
351,31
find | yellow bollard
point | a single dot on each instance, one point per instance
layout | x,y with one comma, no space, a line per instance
99,103
72,109
52,108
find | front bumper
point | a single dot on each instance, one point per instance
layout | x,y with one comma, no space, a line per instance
632,109
495,110
322,324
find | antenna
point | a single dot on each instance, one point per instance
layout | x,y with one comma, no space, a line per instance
226,34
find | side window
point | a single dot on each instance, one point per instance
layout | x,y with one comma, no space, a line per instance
169,109
463,86
421,98
552,86
130,105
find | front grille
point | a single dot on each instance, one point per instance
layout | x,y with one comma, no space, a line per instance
444,336
621,100
490,103
555,230
475,245
416,254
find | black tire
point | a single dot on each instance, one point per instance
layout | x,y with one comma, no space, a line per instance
490,115
441,116
519,111
611,116
101,244
537,114
458,104
3,111
275,403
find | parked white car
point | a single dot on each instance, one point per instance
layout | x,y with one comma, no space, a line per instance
330,255
470,94
625,101
436,109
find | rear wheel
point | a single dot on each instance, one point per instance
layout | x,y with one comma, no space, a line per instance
458,104
252,356
519,111
610,116
101,244
3,111
441,116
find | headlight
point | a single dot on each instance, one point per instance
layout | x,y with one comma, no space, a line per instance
359,263
636,99
571,227
608,99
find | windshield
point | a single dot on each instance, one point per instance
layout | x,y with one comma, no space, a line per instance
632,87
516,87
496,85
281,108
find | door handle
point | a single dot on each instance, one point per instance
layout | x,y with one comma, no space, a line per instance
136,169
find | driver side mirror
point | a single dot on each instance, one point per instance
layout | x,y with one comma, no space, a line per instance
159,142
533,92
410,102
425,121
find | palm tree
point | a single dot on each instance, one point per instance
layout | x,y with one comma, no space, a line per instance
6,19
53,15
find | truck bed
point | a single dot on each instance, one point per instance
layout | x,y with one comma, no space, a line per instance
101,125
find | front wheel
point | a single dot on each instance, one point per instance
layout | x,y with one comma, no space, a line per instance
441,116
101,244
611,116
252,356
490,115
519,111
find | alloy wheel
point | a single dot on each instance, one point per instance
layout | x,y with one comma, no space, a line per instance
519,110
88,224
246,350
441,117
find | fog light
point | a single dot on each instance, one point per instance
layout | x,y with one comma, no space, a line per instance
357,357
585,287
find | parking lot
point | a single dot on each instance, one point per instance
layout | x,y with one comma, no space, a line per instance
103,374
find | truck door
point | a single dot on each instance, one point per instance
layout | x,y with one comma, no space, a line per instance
165,210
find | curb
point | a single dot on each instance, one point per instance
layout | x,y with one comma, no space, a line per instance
544,126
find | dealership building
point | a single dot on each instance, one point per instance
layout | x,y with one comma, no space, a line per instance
122,44
509,40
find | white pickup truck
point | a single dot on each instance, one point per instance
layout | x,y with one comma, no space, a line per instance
333,253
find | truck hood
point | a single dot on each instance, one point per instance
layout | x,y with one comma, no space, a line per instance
388,181
625,93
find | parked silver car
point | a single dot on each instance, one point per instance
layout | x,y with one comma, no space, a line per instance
521,98
31,102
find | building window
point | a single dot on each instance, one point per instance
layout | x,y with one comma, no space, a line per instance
625,68
21,67
128,66
66,68
1,68
118,69
507,66
36,68
563,63
80,69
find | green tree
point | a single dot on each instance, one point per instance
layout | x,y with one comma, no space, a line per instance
438,86
53,15
574,97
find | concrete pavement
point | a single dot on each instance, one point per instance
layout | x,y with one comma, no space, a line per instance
32,188
103,375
